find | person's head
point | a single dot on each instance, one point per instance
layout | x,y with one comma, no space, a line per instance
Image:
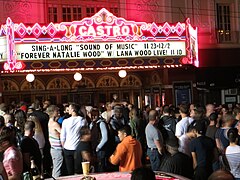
74,109
221,175
153,116
166,109
95,114
9,119
213,118
209,109
236,112
143,173
124,132
224,109
200,127
85,134
227,120
118,111
172,145
46,104
199,113
192,132
184,109
3,107
29,128
52,111
232,135
147,108
7,137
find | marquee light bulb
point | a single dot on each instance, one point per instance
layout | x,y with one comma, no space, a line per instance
122,73
77,76
30,77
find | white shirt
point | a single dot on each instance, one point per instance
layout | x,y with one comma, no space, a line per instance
233,157
70,132
184,145
182,126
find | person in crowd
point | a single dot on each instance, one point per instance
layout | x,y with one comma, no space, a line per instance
210,108
154,141
236,113
204,152
70,135
30,148
182,125
146,111
38,132
54,130
143,173
138,130
211,129
43,119
64,115
117,121
9,120
21,118
167,124
221,175
128,153
108,113
177,162
46,104
100,140
221,134
12,157
85,112
84,150
185,140
125,110
233,153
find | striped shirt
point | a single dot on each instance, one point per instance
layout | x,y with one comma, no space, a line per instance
55,142
233,157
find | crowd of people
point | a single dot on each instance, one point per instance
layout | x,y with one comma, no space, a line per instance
189,140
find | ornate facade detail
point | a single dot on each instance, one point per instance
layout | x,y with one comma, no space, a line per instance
131,81
107,81
9,85
20,10
36,85
58,83
85,82
155,78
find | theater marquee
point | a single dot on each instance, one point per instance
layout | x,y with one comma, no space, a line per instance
101,41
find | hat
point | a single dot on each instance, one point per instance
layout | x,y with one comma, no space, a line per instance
24,108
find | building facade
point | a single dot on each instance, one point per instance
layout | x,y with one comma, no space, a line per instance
219,44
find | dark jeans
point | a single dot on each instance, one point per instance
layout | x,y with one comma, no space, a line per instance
69,160
102,161
155,158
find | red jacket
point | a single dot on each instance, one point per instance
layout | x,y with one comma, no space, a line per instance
127,154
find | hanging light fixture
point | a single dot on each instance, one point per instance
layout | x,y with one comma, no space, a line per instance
77,76
30,77
122,73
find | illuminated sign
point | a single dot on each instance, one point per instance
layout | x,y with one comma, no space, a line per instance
3,48
99,50
96,40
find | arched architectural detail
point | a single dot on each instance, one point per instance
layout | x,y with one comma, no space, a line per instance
58,83
9,85
107,81
155,78
37,85
85,82
131,80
